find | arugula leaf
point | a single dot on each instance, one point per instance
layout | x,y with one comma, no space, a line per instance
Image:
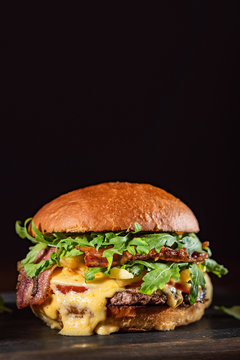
191,243
35,269
149,265
4,308
158,274
137,228
215,268
119,245
38,235
142,246
135,269
90,274
158,240
196,281
131,249
157,278
72,252
97,240
31,256
233,311
22,230
65,248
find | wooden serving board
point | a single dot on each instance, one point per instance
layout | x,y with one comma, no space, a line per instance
216,336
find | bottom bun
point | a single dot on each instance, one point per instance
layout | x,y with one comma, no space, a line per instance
146,318
142,318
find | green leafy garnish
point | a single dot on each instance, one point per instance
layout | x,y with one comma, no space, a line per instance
156,273
137,228
113,243
233,311
23,232
160,273
31,256
192,243
30,267
215,268
90,274
4,308
197,280
144,243
159,276
135,268
64,248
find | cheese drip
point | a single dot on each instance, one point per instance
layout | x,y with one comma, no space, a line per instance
81,313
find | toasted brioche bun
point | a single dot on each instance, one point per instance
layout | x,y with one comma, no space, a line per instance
146,318
143,318
113,207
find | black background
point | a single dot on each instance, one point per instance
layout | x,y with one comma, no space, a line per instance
142,95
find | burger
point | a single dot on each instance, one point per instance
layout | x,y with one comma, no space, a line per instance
115,257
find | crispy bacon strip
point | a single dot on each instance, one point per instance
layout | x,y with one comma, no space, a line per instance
34,291
95,258
44,254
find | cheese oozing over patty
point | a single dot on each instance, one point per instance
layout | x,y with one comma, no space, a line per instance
79,308
80,313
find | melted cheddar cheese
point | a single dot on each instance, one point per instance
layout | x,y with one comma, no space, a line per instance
81,313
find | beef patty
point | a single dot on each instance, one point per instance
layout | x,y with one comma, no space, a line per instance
133,297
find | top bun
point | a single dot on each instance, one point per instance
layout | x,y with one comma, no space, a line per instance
115,206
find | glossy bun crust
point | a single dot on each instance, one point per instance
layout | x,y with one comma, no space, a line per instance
113,207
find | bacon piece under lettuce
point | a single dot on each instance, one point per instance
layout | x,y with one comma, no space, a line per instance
34,291
95,258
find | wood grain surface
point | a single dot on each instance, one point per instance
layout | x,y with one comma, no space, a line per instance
22,336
